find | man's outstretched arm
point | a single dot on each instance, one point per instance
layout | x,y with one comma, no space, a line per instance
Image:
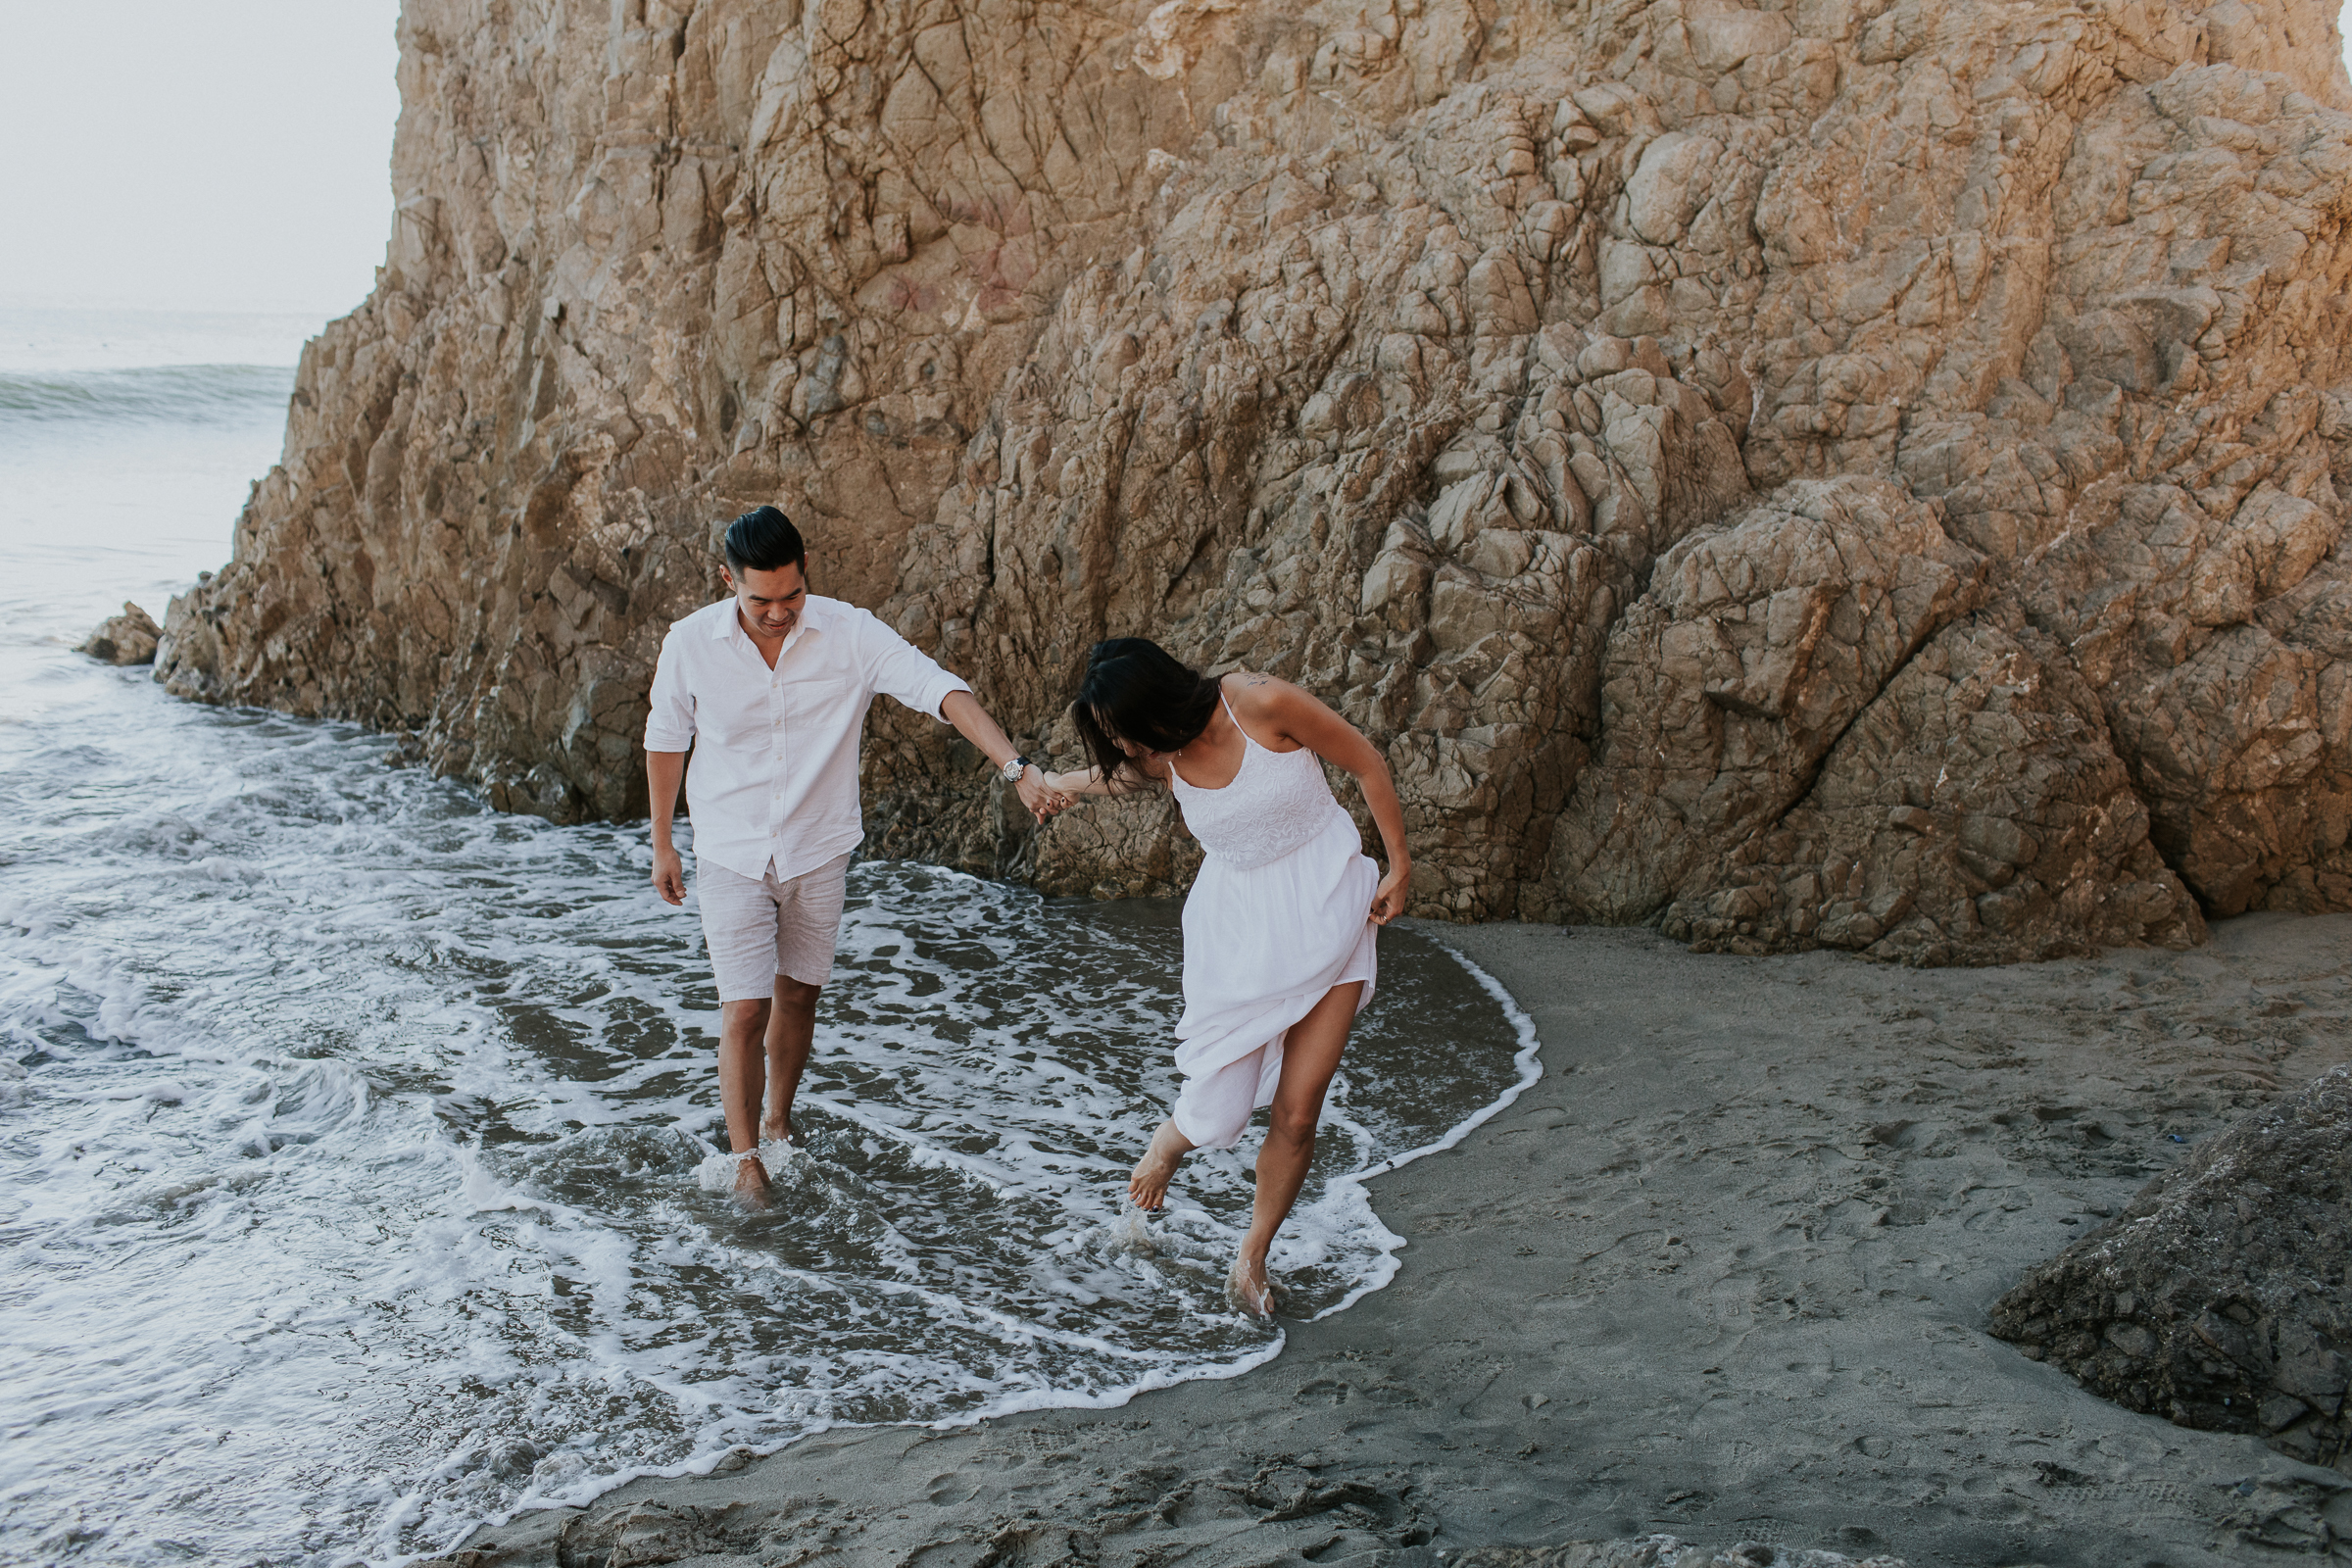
963,710
663,772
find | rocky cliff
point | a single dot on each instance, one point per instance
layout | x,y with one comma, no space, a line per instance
1868,473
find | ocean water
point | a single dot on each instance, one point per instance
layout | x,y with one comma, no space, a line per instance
358,1144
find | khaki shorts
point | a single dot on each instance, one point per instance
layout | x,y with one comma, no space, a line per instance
760,927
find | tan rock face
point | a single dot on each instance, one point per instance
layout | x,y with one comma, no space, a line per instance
1839,472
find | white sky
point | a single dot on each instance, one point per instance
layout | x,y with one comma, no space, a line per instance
183,156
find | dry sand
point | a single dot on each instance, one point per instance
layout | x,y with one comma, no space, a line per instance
1723,1272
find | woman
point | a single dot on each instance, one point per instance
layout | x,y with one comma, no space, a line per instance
1279,951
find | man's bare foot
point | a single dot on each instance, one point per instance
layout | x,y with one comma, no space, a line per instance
1148,1188
750,1184
777,1130
1250,1289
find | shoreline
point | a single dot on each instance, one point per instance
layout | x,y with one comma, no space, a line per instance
1721,1271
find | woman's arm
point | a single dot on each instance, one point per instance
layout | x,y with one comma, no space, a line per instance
1268,704
1090,781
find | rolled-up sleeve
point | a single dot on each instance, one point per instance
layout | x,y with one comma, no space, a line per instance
898,669
670,721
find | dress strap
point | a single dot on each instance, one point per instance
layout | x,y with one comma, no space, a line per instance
1247,738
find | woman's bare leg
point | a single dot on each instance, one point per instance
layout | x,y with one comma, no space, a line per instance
1148,1188
1310,1055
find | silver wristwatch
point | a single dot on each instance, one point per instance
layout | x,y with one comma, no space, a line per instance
1011,771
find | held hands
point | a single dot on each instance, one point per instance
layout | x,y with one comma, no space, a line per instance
669,874
1393,896
1040,794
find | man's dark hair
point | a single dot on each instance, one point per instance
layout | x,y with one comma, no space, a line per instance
1136,690
763,539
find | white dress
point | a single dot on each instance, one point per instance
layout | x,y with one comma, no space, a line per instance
1278,915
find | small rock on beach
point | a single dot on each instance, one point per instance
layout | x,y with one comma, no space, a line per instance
127,639
2218,1297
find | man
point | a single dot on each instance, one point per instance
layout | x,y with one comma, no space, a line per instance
771,689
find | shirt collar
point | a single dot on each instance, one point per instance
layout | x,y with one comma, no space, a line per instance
815,614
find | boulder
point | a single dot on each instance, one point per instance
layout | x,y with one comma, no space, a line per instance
2221,1296
1973,812
1605,407
1757,645
125,639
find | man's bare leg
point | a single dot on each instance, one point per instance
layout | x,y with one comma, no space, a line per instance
1148,1188
1310,1055
790,1029
741,1081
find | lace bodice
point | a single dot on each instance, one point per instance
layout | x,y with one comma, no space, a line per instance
1277,802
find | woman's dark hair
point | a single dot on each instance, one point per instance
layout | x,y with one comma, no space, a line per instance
763,539
1135,690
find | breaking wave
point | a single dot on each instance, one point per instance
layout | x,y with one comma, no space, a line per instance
162,394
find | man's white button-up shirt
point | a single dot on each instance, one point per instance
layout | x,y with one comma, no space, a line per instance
775,774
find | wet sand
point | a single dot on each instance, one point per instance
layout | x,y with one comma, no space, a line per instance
1723,1272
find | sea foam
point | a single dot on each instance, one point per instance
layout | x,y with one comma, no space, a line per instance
402,1145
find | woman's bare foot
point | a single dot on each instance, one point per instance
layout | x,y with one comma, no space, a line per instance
750,1184
1249,1286
777,1130
1148,1188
